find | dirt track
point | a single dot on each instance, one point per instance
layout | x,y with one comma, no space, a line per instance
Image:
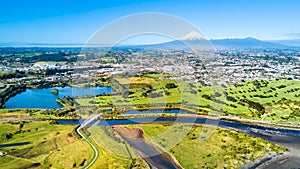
155,159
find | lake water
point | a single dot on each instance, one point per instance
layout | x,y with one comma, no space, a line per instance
44,98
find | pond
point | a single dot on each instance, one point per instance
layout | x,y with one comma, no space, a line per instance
44,98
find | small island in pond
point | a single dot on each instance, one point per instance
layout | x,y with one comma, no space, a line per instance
54,91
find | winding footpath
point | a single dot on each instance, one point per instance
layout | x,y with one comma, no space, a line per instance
96,153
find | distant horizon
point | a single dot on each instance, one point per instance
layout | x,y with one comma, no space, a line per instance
79,44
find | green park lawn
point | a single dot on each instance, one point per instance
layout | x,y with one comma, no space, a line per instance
113,151
50,146
280,99
55,146
152,90
29,113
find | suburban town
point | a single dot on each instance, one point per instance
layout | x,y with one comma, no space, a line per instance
236,66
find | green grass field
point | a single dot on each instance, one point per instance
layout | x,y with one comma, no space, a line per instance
114,152
279,100
139,86
54,146
224,148
29,113
50,146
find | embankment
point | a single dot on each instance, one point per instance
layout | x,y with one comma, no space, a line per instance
155,156
10,92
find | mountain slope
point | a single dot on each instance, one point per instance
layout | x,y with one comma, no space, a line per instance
245,43
195,39
289,42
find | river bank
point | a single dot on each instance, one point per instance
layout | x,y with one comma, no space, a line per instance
153,154
176,111
182,118
290,159
9,92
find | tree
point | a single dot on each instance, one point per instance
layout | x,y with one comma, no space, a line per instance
170,86
21,126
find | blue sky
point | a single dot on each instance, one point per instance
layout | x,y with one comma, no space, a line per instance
75,21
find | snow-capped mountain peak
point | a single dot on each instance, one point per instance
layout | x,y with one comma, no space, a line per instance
192,36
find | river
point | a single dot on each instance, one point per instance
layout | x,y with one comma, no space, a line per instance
156,111
225,124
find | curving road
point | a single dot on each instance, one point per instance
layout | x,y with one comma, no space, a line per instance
96,153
